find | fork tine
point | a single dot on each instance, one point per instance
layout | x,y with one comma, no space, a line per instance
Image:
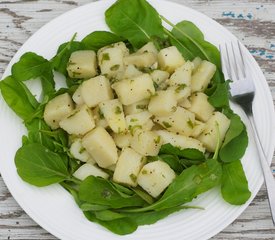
235,62
242,60
228,63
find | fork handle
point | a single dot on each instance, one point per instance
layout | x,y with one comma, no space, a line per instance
268,176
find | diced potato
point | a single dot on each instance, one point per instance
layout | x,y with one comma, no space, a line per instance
122,140
120,45
147,143
99,118
181,92
155,176
170,59
79,122
113,112
82,64
163,103
159,76
181,121
128,167
78,151
77,97
133,90
216,128
96,90
138,119
198,128
101,146
148,47
141,60
136,107
196,61
57,109
110,61
180,141
87,170
148,125
112,167
182,75
200,106
185,103
202,77
131,71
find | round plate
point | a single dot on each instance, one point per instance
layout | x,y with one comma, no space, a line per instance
54,209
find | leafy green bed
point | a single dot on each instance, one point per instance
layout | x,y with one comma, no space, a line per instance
44,157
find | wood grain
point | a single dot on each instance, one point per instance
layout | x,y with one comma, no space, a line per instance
253,22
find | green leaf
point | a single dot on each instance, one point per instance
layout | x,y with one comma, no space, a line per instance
234,186
188,153
18,97
31,66
173,161
39,166
220,97
136,21
95,190
98,39
92,207
108,215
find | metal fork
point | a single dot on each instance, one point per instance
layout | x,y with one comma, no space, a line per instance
242,92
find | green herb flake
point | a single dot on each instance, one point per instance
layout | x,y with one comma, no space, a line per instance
81,150
157,140
133,120
190,123
166,124
180,87
118,110
133,177
133,128
155,85
100,113
144,172
105,57
115,67
140,106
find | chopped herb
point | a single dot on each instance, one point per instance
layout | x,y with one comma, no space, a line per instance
144,171
133,120
105,57
100,113
81,150
75,74
166,124
174,108
157,140
180,87
190,123
133,128
115,67
118,110
140,106
133,177
156,85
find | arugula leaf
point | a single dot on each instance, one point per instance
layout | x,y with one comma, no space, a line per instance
234,186
31,66
220,97
136,21
188,153
18,97
173,161
98,39
39,166
99,191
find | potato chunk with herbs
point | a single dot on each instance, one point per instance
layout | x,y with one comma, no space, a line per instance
141,60
148,47
79,122
77,97
147,143
78,151
137,120
131,71
96,90
57,109
122,140
101,146
215,130
159,76
128,167
170,59
113,113
201,107
82,64
87,170
155,176
163,103
136,107
181,92
133,90
99,118
182,75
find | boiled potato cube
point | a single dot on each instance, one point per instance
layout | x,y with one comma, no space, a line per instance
128,167
122,140
148,125
131,71
148,47
79,122
185,103
181,92
137,119
159,76
133,90
101,146
58,108
182,75
113,112
170,59
82,64
155,176
78,151
181,121
147,143
77,97
141,60
198,128
99,118
96,90
200,106
110,61
216,128
163,103
202,77
136,107
119,45
87,170
196,61
180,141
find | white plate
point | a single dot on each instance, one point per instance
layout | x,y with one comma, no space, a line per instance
54,209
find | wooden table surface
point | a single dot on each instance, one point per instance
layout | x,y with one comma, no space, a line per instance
253,22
